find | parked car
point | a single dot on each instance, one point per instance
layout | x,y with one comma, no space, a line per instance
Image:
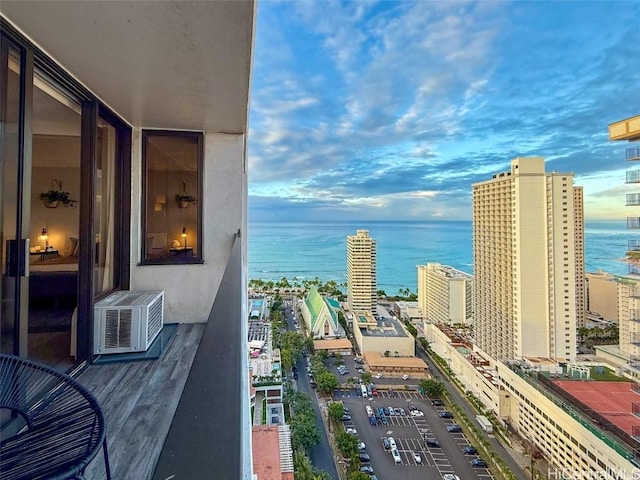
384,420
392,442
396,456
478,462
386,410
431,442
453,428
418,458
437,403
360,370
385,443
450,476
346,418
352,431
364,458
417,413
361,446
391,411
445,414
402,412
366,469
398,411
470,450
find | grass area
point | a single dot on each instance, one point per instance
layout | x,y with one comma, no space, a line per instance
607,375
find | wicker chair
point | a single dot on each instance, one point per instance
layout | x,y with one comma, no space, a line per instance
58,425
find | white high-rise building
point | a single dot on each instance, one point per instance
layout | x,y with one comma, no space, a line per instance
361,272
445,294
525,261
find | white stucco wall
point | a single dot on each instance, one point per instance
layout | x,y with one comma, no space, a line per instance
191,289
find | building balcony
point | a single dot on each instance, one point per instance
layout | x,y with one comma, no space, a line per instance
632,153
633,199
633,176
160,415
633,222
634,338
633,267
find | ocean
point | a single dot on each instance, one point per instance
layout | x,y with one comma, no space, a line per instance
318,249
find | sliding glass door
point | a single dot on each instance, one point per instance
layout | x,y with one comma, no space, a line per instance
10,135
64,207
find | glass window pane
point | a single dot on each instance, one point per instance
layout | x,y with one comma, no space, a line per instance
8,201
104,219
172,207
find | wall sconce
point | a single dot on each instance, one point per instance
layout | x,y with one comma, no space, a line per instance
184,236
160,202
44,237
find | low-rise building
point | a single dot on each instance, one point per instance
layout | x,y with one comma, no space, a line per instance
391,366
320,315
406,310
333,345
580,427
382,335
272,453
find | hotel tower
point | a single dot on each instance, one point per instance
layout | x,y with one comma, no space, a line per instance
361,272
526,261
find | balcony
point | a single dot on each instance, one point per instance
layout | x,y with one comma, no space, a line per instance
163,417
632,153
633,176
633,199
634,338
633,222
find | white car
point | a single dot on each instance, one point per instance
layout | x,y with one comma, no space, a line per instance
361,446
378,375
392,442
417,413
352,431
450,476
417,457
405,377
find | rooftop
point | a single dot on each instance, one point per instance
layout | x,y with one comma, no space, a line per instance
376,360
612,400
272,457
385,327
332,344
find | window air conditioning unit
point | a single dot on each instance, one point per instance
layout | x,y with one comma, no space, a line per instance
127,321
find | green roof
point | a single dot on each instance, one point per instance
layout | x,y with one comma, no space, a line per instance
315,303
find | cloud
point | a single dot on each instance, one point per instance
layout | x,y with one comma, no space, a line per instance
360,104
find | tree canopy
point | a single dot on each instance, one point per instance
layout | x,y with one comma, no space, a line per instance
432,387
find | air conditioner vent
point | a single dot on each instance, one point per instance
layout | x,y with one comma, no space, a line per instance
127,321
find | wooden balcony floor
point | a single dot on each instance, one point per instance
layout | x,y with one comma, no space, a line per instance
139,400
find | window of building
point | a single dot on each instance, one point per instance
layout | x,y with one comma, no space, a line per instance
172,192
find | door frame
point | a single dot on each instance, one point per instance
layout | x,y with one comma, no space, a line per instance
31,58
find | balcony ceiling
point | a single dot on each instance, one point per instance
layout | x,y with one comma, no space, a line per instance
158,64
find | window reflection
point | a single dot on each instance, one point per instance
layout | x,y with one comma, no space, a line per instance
172,181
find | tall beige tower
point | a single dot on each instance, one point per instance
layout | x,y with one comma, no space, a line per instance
524,258
578,229
445,294
361,272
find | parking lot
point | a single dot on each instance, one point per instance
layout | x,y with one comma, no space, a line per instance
409,433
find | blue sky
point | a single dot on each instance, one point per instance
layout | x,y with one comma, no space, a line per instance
376,110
